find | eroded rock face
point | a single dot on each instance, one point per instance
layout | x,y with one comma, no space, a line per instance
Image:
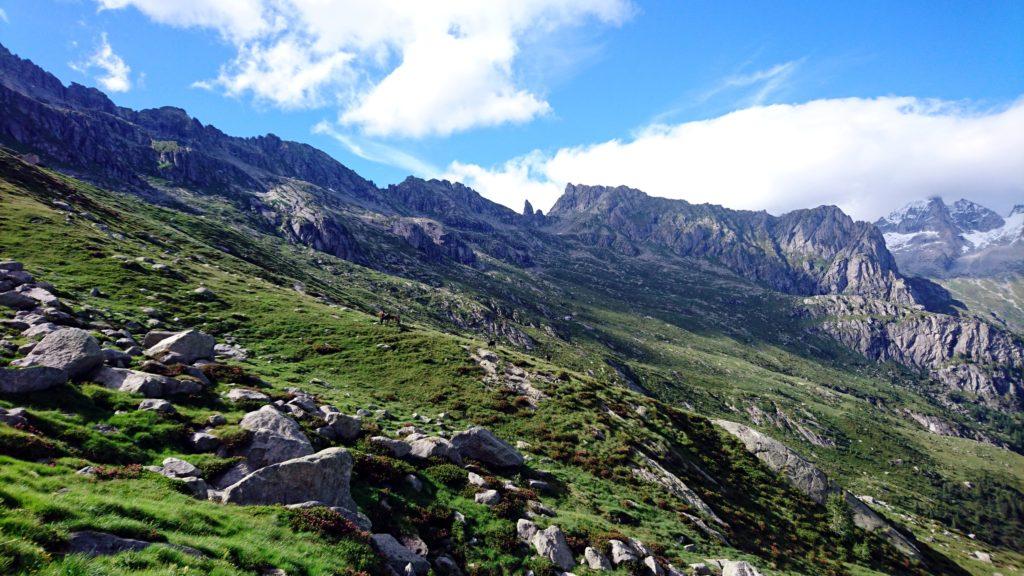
810,480
322,477
482,445
962,353
70,349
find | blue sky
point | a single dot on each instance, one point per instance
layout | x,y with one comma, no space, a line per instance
517,98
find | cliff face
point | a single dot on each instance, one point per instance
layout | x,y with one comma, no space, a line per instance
815,251
962,353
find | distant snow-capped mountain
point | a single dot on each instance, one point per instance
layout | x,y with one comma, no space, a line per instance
931,238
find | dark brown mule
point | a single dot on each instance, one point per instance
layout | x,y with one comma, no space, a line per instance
386,317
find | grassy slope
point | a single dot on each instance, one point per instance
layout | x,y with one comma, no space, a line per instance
422,370
1001,297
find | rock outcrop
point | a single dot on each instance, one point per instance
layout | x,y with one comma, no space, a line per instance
964,354
810,480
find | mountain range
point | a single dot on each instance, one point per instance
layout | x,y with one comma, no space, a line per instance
929,238
606,334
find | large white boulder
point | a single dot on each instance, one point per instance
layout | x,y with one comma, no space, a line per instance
70,349
322,477
184,347
482,445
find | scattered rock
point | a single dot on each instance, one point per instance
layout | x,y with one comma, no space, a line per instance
652,568
144,383
116,358
413,482
340,427
424,447
596,560
275,438
323,477
204,293
740,568
154,337
204,442
184,347
158,405
482,445
622,552
476,479
446,566
178,468
395,448
14,416
33,379
525,529
487,497
71,349
246,395
399,557
550,543
93,543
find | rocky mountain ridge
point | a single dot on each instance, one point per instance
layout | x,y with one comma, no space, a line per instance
806,252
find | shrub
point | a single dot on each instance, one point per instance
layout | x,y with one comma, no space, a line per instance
325,522
130,471
448,474
26,446
223,373
377,469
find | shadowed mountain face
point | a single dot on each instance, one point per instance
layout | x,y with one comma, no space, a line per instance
432,229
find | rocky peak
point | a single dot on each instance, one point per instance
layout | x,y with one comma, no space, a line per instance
449,202
527,209
931,214
973,217
1018,209
581,198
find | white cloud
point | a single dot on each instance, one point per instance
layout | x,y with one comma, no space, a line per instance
113,73
238,20
404,68
865,155
3,15
380,153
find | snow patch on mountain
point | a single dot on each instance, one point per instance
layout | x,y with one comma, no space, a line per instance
1010,232
897,242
